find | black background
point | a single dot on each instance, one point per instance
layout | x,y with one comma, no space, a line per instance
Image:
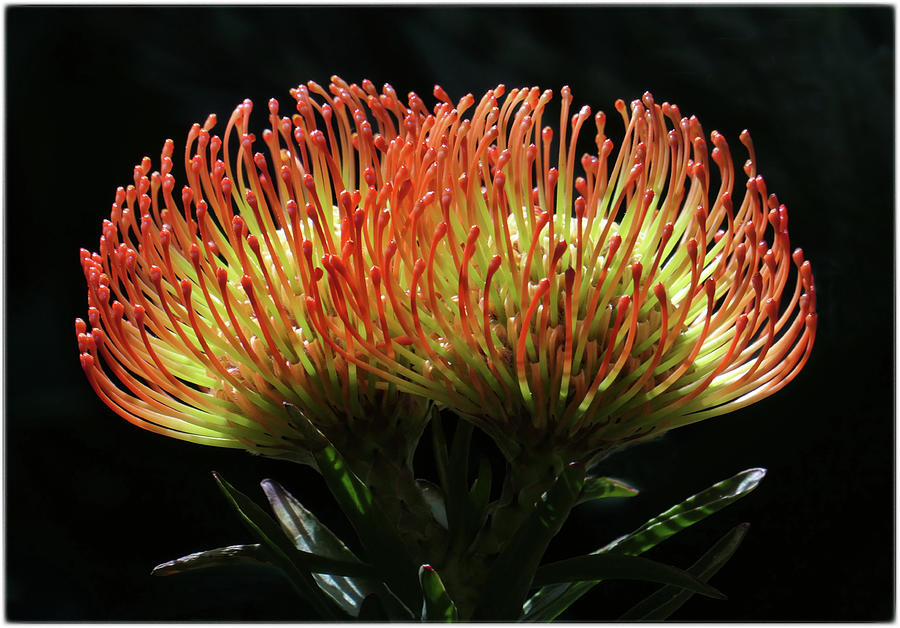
93,503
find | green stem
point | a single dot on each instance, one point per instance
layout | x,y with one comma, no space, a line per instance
529,475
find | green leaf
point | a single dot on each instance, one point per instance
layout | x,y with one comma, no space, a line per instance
284,555
466,506
689,512
550,601
620,567
668,599
223,556
437,605
510,577
600,488
384,548
480,494
311,535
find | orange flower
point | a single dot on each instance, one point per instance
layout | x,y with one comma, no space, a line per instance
197,311
575,312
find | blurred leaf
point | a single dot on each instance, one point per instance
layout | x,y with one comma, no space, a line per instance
480,494
550,601
372,610
223,556
311,535
510,576
600,488
384,548
667,600
284,555
620,567
439,445
437,605
457,495
435,500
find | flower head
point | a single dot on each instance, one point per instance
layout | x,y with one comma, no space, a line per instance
199,323
580,311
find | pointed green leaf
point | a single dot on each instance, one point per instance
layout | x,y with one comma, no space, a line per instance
257,555
437,605
550,601
311,535
384,548
600,488
284,555
667,600
510,577
620,567
687,513
232,555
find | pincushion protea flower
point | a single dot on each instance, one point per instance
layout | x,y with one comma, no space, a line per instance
558,312
198,311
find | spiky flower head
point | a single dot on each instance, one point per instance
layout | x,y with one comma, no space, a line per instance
566,311
199,328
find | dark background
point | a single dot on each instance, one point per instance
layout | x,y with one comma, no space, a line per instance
93,503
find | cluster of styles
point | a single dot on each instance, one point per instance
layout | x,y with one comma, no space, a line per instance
366,262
